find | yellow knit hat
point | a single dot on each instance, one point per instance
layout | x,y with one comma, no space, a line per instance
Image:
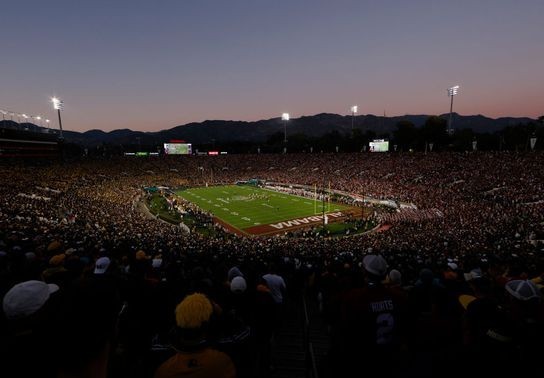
194,310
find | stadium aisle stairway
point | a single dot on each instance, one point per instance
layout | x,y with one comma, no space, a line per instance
318,336
288,357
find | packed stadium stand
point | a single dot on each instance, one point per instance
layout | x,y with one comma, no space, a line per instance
19,144
94,285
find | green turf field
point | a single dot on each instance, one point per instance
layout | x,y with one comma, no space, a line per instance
246,206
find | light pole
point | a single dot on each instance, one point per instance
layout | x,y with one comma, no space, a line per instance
285,119
353,112
451,93
57,105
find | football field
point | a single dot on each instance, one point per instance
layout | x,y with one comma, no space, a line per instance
253,210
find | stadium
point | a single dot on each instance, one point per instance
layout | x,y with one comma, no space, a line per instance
155,219
248,189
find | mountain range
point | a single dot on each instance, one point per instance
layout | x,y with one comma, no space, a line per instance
241,131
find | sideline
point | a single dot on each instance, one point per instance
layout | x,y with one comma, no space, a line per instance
142,207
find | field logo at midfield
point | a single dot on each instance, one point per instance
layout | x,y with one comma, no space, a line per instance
303,221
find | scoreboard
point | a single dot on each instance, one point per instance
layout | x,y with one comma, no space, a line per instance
379,145
178,149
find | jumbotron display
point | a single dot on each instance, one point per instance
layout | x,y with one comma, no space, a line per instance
379,145
178,149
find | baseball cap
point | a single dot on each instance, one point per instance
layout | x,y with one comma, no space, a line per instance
238,284
25,298
523,290
102,265
375,264
193,311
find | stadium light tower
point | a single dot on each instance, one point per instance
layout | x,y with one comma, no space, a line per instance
353,112
451,93
285,119
57,105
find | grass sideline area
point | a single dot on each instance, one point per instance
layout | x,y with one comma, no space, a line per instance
244,206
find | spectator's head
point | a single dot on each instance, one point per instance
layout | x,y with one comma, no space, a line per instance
238,285
192,317
394,277
375,266
57,260
480,285
102,265
234,272
141,255
193,312
523,291
474,274
26,298
426,277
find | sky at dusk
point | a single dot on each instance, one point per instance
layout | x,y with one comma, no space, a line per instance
155,64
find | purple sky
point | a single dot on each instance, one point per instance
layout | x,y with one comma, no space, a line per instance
152,65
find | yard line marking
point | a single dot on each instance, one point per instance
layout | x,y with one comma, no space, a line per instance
267,205
216,205
308,203
256,223
224,208
246,219
234,213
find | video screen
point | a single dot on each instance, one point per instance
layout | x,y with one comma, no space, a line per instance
379,145
177,149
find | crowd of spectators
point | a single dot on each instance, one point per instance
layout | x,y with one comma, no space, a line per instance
92,285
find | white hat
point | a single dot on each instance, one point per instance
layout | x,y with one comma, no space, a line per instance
474,274
453,266
25,298
102,265
156,263
238,284
375,264
524,290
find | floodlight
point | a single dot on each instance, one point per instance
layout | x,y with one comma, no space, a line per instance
354,109
57,103
285,117
453,91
